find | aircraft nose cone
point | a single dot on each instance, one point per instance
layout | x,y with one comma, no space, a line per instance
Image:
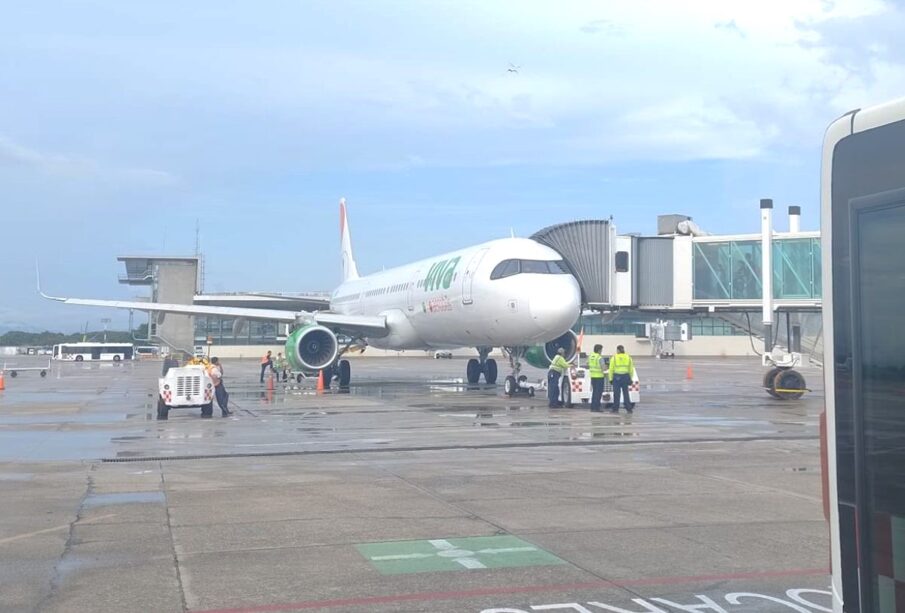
558,309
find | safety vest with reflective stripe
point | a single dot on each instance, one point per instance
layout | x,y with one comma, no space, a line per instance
594,366
621,364
559,364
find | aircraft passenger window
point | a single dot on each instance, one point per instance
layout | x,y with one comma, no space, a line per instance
506,268
622,261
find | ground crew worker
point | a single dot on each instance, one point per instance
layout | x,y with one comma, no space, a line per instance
557,367
282,367
595,368
215,372
266,361
621,370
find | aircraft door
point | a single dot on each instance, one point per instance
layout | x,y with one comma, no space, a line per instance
468,277
410,294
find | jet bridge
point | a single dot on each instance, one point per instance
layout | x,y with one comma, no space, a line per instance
686,270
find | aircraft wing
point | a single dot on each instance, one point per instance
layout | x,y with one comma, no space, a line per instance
358,325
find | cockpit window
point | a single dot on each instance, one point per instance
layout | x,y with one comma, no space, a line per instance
558,267
507,268
538,267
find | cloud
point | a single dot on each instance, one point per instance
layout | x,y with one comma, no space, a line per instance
13,154
730,26
602,26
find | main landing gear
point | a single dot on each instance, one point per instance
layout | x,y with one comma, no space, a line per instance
482,365
340,369
515,384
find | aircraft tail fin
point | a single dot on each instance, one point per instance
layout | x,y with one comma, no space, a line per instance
350,270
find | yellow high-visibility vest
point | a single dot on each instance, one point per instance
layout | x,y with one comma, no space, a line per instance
559,364
621,364
594,366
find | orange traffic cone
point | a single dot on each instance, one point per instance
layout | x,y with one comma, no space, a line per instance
2,384
689,373
270,383
320,380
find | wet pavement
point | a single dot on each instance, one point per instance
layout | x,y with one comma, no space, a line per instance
711,490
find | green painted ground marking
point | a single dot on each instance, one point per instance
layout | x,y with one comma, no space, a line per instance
400,557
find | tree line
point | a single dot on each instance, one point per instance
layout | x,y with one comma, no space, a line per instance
18,338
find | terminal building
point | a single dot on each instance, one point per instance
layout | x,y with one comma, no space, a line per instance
711,283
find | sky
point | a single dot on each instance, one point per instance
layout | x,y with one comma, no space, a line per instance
122,124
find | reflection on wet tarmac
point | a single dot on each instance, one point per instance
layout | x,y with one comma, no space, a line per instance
97,412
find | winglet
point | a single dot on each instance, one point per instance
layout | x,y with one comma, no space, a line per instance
38,282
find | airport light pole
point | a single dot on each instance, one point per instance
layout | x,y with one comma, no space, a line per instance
105,321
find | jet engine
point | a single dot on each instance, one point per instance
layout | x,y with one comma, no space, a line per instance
539,356
311,347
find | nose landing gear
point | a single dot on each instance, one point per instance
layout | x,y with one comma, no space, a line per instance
516,384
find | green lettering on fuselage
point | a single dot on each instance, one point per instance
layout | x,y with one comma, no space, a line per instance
440,274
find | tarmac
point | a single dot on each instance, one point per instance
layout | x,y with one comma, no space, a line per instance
411,491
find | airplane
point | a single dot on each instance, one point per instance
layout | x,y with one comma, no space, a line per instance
511,293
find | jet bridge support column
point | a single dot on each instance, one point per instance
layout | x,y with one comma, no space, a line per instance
766,232
781,381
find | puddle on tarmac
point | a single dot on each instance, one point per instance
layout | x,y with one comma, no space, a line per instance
62,419
714,421
16,476
30,445
585,436
99,500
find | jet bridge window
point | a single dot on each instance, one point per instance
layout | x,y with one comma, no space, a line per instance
507,268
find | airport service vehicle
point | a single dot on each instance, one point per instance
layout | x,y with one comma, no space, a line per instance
147,352
513,293
443,354
88,351
185,387
575,387
863,225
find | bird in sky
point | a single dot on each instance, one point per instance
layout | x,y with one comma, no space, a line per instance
513,68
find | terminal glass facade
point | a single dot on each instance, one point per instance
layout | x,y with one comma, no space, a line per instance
731,270
633,325
221,331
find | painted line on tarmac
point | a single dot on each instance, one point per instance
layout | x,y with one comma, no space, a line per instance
524,589
19,537
519,445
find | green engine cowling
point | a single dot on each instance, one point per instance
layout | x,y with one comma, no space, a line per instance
539,356
311,347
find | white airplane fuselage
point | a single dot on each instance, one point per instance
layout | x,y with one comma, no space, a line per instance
451,300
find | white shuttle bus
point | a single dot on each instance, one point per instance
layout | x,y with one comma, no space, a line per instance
84,352
863,230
